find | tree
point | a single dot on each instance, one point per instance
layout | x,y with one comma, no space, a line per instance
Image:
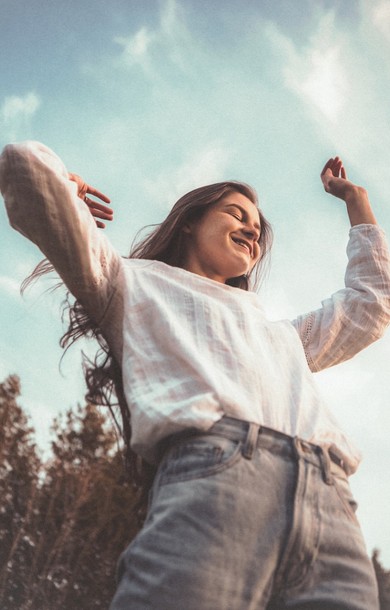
63,523
383,578
19,473
87,513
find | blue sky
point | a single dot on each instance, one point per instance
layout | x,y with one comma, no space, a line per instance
149,99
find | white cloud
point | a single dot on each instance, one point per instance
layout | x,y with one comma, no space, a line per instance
170,19
381,17
341,76
204,167
147,46
324,82
10,286
16,113
17,108
316,72
135,48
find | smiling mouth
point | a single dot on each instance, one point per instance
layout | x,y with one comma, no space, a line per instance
244,244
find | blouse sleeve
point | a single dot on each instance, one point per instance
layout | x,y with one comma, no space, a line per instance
356,316
43,205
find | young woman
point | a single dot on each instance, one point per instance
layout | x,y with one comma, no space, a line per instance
250,507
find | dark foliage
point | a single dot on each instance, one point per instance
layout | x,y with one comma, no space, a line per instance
383,578
63,523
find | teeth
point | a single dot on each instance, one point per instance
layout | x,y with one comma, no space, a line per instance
241,243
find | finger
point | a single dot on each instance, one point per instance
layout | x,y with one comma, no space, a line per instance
343,173
338,167
334,164
327,166
99,214
98,206
100,225
92,191
81,185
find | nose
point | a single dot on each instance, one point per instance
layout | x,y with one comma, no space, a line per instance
251,233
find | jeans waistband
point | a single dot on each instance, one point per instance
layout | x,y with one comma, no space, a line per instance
254,435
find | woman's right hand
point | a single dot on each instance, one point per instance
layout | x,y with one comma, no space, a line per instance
98,210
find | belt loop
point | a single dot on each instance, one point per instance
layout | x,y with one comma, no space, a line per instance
296,445
251,440
326,465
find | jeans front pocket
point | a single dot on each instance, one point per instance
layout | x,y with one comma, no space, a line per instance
197,457
346,498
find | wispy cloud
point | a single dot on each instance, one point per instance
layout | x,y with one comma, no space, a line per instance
381,17
203,167
16,112
325,82
136,47
332,74
148,45
9,286
316,71
15,107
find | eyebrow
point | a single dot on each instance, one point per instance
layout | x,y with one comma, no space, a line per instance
244,212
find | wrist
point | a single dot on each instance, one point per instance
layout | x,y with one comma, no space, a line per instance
356,195
358,206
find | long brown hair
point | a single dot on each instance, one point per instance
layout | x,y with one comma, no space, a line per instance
165,242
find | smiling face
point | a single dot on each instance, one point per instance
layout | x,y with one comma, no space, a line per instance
223,244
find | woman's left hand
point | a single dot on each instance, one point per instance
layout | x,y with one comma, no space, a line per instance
98,210
334,179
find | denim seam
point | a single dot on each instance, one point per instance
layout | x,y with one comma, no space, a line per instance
167,479
345,504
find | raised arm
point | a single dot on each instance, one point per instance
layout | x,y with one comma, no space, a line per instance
354,317
43,204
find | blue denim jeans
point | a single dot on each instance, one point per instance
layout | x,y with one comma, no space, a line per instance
243,518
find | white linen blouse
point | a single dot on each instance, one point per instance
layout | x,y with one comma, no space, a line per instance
192,349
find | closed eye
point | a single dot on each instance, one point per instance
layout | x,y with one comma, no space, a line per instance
236,216
241,215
